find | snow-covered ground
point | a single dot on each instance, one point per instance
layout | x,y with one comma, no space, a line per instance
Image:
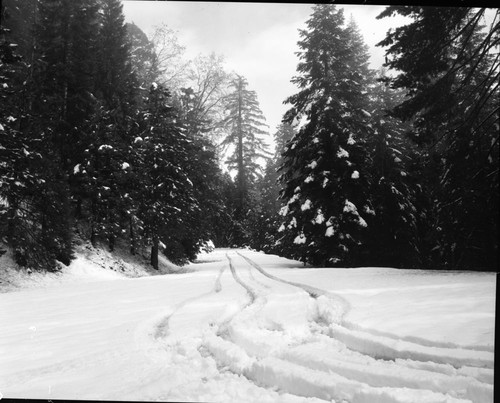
244,326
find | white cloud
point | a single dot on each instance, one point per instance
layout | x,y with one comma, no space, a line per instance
258,40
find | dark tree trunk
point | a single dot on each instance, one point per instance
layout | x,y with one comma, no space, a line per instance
93,234
11,223
132,237
111,243
93,237
78,210
154,253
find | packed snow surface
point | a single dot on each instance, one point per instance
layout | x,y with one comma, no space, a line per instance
243,326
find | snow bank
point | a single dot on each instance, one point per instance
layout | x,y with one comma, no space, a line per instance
89,265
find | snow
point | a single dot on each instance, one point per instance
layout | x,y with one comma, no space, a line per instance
76,169
310,178
320,218
284,210
125,165
312,165
246,326
306,205
293,199
329,231
349,207
105,147
355,175
300,239
342,153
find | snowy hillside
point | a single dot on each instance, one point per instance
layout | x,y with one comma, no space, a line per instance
244,326
90,264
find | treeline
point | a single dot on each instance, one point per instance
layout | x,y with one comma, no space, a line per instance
396,169
93,142
114,137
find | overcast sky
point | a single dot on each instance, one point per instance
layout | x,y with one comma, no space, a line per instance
258,40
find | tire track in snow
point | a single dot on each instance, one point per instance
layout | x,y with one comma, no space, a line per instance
254,299
380,348
312,291
416,340
161,327
188,354
251,293
311,381
252,277
388,346
326,314
380,373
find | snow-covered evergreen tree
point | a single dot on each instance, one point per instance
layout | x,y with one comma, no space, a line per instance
61,105
142,56
165,198
325,174
264,218
392,226
446,62
284,133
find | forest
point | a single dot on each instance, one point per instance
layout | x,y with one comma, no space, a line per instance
103,139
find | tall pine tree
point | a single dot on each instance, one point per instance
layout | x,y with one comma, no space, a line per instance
325,173
245,128
448,65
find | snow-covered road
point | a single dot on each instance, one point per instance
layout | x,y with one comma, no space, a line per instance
244,326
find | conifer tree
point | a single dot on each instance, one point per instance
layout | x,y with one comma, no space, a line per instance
203,168
325,173
449,66
245,126
15,172
265,219
284,134
114,83
142,56
101,170
19,18
59,106
166,198
392,226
